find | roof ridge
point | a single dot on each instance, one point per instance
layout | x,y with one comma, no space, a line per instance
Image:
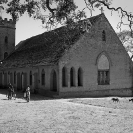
53,30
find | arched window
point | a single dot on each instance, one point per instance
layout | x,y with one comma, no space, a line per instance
6,39
64,77
103,70
1,79
53,81
30,77
5,55
43,77
80,77
72,77
5,78
14,77
8,77
103,36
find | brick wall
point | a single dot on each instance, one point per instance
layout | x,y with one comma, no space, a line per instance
7,28
85,54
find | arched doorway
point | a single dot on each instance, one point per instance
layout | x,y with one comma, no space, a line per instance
22,80
5,79
18,81
11,78
0,79
43,78
35,81
53,81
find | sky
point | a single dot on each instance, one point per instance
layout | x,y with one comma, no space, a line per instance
27,27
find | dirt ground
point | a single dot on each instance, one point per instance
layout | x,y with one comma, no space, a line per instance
80,115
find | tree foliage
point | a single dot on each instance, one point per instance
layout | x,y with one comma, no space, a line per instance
52,12
127,40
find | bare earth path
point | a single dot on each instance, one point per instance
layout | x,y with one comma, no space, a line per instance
44,115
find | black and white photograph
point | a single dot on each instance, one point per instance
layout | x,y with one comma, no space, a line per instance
66,66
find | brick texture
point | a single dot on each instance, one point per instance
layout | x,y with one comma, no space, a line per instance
7,28
85,54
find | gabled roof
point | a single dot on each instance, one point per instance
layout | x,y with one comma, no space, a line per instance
46,48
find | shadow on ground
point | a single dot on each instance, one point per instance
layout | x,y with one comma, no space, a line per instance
35,97
20,95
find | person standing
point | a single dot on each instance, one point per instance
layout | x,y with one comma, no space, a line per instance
28,94
10,90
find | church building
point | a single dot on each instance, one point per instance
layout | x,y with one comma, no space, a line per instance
86,61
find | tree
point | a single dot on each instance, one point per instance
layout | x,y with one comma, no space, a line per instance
127,40
52,12
124,36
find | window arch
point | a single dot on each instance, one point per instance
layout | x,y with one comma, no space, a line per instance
5,55
64,77
0,78
53,81
80,77
103,36
6,39
14,77
103,70
43,77
8,77
72,77
30,77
